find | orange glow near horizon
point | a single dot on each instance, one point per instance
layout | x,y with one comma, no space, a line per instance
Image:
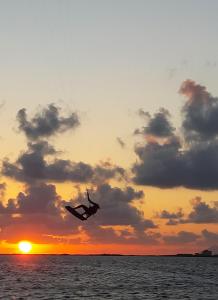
25,247
88,248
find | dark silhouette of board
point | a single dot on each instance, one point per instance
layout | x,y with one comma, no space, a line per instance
75,213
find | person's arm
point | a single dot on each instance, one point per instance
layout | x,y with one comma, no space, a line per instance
89,198
87,192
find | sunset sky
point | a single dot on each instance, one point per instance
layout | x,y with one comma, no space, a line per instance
119,97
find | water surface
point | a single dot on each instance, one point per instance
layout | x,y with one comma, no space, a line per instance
108,277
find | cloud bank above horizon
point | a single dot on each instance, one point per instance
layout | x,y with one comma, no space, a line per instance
167,157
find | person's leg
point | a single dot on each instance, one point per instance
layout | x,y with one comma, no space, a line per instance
81,206
86,213
87,216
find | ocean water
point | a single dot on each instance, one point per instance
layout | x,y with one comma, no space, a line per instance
107,277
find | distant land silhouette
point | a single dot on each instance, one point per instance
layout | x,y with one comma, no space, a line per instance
204,253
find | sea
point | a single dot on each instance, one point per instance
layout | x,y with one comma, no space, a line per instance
108,277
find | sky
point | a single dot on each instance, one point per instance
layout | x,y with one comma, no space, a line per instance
119,97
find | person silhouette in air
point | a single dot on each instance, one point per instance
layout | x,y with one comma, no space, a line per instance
88,211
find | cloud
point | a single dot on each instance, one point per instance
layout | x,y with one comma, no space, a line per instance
203,212
46,122
181,237
116,206
172,222
167,215
143,114
116,209
37,213
210,240
159,165
173,218
97,234
2,189
158,126
34,213
40,198
209,236
177,161
40,162
41,147
121,142
200,112
205,239
105,171
33,165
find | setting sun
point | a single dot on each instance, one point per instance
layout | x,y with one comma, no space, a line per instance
25,246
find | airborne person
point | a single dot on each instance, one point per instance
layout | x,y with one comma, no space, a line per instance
88,211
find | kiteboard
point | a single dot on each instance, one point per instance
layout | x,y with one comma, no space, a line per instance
75,213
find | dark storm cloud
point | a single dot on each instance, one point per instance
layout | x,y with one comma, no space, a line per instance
40,198
10,205
159,165
105,171
32,165
116,206
172,222
97,235
121,142
181,237
2,190
157,126
32,214
42,147
205,239
173,218
200,112
211,237
173,163
167,215
36,212
40,161
46,123
116,209
203,212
